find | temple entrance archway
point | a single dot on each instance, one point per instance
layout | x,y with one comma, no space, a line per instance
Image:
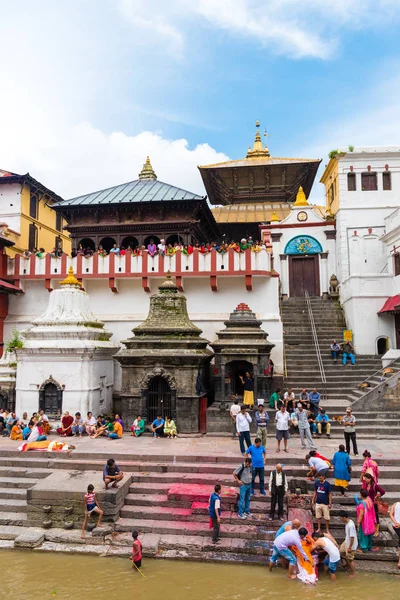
50,397
154,238
129,241
233,371
159,399
174,239
107,243
87,243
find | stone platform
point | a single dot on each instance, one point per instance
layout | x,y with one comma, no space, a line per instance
165,496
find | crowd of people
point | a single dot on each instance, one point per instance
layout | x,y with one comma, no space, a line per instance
302,415
153,249
37,428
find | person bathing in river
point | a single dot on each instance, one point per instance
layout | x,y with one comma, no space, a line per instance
136,557
91,506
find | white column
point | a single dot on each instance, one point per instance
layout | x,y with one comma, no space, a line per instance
324,274
284,273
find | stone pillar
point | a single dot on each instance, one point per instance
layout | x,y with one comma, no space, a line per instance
324,275
284,275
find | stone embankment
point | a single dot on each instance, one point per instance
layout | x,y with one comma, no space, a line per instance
41,507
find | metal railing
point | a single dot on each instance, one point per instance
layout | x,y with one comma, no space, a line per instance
316,344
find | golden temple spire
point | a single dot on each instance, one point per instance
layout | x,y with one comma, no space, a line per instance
147,172
258,149
301,199
274,217
71,279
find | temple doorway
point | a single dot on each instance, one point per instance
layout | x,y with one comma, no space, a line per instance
159,399
303,275
107,243
50,398
235,370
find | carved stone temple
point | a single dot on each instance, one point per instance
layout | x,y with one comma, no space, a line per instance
165,364
242,346
66,362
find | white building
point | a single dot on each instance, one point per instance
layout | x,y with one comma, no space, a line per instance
362,190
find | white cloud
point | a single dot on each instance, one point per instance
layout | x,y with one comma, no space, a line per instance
295,28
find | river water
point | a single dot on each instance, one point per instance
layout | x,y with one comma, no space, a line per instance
33,575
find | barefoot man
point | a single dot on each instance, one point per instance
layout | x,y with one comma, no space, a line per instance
112,474
281,548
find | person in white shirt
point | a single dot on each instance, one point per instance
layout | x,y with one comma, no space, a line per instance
350,544
114,249
329,545
282,419
243,421
161,247
36,435
318,466
290,400
90,423
234,411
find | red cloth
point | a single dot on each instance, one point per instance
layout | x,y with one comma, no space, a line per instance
66,423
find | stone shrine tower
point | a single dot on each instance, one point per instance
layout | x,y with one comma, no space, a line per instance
165,364
66,362
242,346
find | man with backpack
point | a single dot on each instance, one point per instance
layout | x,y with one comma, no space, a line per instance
243,476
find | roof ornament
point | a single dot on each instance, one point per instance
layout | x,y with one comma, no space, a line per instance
147,172
274,217
258,150
71,279
301,199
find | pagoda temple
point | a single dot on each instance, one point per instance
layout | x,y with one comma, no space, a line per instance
134,213
256,189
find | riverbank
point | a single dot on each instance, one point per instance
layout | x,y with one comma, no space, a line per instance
164,495
59,577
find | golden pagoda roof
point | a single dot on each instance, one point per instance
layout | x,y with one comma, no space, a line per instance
265,212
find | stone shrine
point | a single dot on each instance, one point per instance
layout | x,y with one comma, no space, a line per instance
66,362
165,365
242,346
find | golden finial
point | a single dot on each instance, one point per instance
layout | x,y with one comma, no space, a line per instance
274,217
71,279
258,149
301,199
147,172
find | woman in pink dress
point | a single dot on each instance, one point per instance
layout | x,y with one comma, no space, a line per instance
370,466
366,520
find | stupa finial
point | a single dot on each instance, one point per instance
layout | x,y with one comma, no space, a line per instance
301,199
258,149
147,172
71,279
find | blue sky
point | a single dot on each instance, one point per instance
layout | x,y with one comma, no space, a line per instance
89,88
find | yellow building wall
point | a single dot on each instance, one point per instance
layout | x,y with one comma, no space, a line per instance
45,223
330,180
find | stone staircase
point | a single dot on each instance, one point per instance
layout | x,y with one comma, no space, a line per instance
341,381
167,502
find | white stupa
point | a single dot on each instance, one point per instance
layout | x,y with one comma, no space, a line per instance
66,362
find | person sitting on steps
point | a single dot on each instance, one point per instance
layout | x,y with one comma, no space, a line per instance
348,351
323,424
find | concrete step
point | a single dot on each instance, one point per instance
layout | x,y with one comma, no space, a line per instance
13,493
17,482
37,473
18,519
10,532
14,505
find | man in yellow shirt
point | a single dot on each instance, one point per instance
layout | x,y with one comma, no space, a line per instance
117,433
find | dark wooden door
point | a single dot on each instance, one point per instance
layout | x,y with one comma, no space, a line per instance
50,399
159,399
304,275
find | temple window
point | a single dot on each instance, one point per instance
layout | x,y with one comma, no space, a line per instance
387,181
33,206
369,182
32,240
58,221
351,182
396,260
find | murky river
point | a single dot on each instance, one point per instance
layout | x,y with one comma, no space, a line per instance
38,576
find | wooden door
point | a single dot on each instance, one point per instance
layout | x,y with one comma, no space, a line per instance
304,275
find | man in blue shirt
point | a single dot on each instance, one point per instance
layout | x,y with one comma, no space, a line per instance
314,398
322,500
214,510
323,423
112,474
157,426
257,454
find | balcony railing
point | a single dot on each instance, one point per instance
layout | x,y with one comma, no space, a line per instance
114,267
